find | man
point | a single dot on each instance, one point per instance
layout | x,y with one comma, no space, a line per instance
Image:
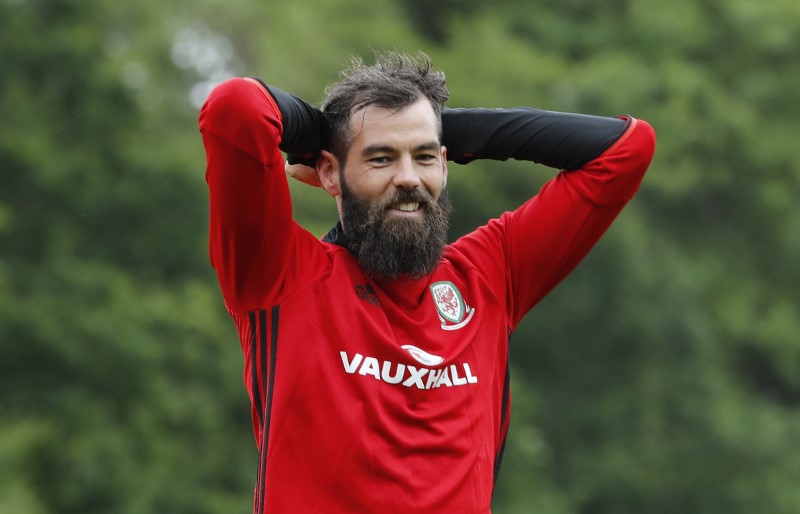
376,359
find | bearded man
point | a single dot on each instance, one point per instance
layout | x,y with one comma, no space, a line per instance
376,358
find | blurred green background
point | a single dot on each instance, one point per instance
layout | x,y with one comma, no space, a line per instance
662,376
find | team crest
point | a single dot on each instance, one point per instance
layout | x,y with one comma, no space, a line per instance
454,313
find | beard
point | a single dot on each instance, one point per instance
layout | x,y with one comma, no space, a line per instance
395,247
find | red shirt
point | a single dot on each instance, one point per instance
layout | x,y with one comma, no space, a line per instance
383,396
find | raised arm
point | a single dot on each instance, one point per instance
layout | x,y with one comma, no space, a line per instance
545,238
555,139
252,237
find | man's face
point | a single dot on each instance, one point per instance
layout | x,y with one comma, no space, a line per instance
394,206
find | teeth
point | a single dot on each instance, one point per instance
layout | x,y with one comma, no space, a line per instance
408,207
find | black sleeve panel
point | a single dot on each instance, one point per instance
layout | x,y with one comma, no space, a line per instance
559,140
303,127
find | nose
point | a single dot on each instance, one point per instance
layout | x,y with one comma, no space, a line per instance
406,176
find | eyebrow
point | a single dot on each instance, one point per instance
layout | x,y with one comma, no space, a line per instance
373,149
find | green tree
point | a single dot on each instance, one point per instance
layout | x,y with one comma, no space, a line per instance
116,373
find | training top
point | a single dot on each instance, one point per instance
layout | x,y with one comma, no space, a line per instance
393,396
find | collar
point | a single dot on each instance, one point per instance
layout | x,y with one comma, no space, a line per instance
336,236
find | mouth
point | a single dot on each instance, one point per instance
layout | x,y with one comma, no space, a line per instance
405,209
406,206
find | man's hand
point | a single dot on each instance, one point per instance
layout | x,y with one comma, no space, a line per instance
303,173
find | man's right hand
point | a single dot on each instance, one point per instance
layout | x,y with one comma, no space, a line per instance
303,173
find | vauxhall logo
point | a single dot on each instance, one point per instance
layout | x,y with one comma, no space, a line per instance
408,375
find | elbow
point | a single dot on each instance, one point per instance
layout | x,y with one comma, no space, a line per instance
223,105
237,107
623,166
639,147
238,113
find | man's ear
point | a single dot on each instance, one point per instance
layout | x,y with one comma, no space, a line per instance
328,169
444,167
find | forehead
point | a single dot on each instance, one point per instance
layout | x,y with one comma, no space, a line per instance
414,123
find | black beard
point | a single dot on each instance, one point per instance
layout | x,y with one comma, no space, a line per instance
395,247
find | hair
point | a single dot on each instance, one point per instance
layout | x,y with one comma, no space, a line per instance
394,81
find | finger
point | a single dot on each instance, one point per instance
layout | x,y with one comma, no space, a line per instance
304,174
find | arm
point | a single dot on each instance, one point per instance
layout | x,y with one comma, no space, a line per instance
555,139
544,239
252,237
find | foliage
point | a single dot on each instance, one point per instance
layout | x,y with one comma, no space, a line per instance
662,376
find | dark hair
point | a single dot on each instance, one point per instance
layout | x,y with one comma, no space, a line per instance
395,80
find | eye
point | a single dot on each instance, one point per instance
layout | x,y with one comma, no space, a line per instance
381,159
427,158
